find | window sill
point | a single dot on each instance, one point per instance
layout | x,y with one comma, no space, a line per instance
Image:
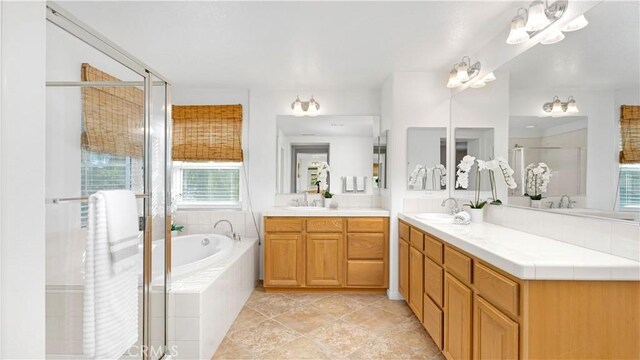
209,206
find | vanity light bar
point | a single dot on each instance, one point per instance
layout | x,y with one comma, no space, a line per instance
557,107
463,72
308,108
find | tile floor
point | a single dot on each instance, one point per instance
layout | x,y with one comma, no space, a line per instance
326,326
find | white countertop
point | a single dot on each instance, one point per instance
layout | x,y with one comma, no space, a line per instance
527,256
340,211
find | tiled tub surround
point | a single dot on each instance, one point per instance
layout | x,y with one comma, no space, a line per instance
202,221
204,305
530,257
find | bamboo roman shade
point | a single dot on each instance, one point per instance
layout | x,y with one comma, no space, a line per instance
207,133
113,116
630,134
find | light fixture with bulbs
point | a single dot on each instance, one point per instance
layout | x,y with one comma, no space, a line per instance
463,72
305,108
557,108
539,16
483,81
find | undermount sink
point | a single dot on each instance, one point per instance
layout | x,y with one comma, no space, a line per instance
305,208
435,217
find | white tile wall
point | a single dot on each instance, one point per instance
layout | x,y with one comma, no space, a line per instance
608,236
201,222
342,200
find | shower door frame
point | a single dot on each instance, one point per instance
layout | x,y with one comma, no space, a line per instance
61,18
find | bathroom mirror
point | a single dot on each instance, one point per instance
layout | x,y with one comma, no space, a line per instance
563,104
476,142
380,165
426,159
348,145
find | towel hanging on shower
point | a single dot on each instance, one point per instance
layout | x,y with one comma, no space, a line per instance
110,307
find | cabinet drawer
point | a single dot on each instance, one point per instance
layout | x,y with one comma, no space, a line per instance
365,246
283,225
433,320
403,229
370,273
434,249
363,225
325,225
458,264
433,281
417,239
498,289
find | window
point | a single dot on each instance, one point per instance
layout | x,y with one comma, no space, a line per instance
101,171
630,187
207,184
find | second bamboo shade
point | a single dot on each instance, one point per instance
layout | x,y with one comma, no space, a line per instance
207,133
630,134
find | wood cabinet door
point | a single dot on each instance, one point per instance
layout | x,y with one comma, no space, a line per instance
433,281
458,300
416,282
325,259
495,335
284,260
403,285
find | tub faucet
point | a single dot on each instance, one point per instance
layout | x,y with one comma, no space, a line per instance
453,208
231,234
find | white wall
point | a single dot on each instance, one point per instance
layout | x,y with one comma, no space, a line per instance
22,187
409,99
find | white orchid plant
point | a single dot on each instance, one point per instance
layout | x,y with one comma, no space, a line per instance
323,172
462,178
537,179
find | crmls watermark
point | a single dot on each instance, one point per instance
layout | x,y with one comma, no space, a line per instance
152,351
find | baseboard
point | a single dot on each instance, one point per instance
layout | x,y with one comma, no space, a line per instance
394,295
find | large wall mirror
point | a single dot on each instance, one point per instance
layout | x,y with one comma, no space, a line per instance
562,105
351,147
426,159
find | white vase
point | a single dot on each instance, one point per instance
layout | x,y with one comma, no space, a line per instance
175,233
477,215
327,203
536,204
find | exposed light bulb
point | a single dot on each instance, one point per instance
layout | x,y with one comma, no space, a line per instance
556,109
537,18
453,81
572,107
478,84
518,34
463,72
554,36
296,106
489,77
577,24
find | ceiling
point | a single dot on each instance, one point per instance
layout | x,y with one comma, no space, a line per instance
603,55
327,125
306,44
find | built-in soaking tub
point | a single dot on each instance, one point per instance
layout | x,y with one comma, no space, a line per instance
191,253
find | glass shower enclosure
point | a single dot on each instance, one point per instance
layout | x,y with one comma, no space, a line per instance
108,127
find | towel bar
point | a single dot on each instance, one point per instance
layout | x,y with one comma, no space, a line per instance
82,199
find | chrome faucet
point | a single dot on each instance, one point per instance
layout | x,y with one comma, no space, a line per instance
453,209
232,234
569,202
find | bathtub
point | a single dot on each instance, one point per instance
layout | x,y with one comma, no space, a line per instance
190,253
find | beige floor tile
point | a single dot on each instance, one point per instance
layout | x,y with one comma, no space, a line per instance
274,305
367,299
246,319
411,334
383,348
308,298
375,319
301,348
342,338
305,319
228,350
267,337
337,305
398,307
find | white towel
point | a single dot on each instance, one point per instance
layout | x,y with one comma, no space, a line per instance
360,184
348,186
462,218
122,222
110,307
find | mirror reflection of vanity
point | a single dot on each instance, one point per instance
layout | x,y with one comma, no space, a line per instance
351,147
564,102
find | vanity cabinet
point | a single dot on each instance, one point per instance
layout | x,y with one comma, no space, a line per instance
473,310
331,253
